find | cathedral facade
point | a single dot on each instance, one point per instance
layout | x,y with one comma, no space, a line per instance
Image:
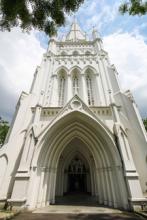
75,131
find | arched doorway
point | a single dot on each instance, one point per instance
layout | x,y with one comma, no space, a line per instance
74,171
78,134
77,176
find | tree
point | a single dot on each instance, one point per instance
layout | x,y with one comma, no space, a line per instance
43,15
4,127
145,123
134,7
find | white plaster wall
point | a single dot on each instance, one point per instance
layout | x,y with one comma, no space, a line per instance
3,169
136,137
20,189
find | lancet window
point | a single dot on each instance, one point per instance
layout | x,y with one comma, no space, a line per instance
76,166
75,53
89,90
75,84
63,53
87,53
61,90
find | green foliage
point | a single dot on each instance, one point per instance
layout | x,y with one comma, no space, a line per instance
134,7
43,15
145,123
4,127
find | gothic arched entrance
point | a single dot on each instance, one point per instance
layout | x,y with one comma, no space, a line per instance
76,176
78,136
74,172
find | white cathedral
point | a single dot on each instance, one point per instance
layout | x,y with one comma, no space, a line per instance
75,131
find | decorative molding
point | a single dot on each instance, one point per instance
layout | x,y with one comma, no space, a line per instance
76,104
102,111
49,112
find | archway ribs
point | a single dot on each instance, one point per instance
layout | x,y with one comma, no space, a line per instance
81,136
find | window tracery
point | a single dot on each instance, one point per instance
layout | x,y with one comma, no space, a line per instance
87,53
61,90
89,90
76,166
63,53
75,84
75,53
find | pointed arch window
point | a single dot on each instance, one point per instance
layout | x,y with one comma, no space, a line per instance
87,53
75,84
75,53
61,90
89,90
63,53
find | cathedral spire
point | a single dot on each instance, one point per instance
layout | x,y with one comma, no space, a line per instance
75,33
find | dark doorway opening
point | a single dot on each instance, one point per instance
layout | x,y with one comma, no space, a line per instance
77,176
77,183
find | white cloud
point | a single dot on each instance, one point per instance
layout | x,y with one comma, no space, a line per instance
20,53
100,13
129,53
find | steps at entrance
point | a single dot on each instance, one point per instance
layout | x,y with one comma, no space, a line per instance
77,199
76,209
76,203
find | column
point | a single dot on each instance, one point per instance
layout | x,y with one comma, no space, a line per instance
106,186
111,180
32,193
48,187
121,189
100,186
53,185
109,195
103,186
40,193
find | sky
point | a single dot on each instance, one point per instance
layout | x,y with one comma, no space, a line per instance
124,38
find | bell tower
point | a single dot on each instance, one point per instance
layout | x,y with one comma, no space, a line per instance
75,65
